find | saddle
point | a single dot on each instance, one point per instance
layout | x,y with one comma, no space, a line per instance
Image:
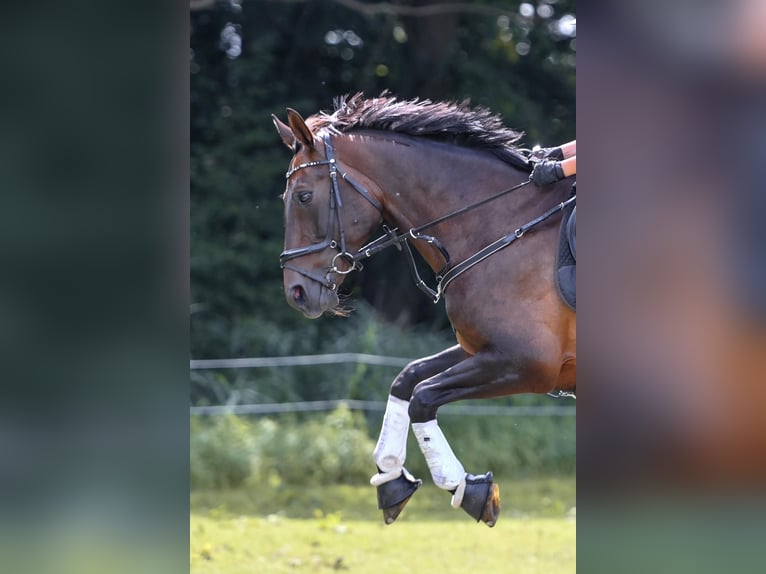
566,261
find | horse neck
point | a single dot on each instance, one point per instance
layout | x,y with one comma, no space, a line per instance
421,180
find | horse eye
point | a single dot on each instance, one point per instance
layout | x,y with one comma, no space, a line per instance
304,197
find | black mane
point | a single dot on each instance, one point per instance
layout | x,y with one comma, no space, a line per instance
449,122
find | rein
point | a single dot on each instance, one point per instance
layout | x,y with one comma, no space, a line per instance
391,237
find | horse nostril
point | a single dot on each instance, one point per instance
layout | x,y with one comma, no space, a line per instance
298,294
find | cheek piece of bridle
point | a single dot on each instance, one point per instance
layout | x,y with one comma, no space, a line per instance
392,237
336,212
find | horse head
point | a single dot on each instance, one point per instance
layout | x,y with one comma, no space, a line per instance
323,225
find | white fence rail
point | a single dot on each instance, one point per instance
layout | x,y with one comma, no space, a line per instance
299,361
340,358
307,406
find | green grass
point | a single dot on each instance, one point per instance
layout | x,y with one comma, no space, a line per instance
328,543
275,529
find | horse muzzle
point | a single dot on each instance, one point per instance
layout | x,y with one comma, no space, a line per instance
309,297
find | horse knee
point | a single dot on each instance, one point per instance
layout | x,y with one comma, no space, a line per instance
422,406
405,381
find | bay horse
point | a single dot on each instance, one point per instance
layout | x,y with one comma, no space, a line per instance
454,172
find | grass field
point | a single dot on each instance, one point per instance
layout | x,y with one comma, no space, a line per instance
340,529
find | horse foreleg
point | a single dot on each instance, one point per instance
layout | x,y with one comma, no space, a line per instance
391,449
395,485
483,375
479,496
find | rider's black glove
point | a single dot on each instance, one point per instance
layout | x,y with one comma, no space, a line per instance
546,172
547,153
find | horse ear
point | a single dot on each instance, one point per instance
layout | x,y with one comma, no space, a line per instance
300,129
284,132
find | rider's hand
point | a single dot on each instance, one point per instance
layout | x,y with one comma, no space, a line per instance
542,153
546,172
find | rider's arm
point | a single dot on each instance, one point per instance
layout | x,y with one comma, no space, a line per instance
569,166
569,149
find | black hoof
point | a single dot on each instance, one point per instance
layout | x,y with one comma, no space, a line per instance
394,495
481,499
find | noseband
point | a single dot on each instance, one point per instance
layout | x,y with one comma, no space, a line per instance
336,212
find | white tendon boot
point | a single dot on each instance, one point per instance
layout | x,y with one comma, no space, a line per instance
394,484
477,495
391,450
446,470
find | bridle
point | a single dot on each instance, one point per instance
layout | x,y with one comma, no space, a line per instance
393,238
336,212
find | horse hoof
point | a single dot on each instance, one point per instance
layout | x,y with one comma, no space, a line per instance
392,512
491,510
394,495
481,499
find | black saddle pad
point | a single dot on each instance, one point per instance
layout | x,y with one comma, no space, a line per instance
566,262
